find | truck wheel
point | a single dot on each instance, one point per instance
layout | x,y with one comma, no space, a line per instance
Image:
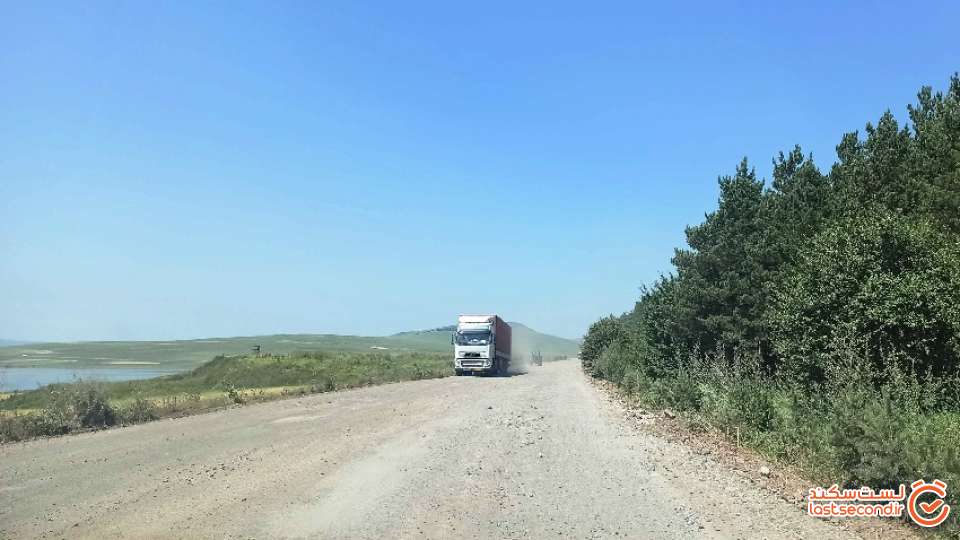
459,372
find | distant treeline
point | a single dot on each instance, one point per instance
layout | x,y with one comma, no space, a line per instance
819,312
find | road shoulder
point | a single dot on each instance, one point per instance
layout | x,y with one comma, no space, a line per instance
778,481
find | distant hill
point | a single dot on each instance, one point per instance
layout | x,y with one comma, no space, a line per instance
12,342
527,340
183,355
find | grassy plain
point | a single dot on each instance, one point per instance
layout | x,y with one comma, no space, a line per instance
226,380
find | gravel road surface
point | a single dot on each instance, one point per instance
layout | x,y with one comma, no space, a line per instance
538,455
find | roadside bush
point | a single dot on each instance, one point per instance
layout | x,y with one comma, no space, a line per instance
418,372
867,438
58,417
636,382
90,406
681,391
16,427
141,410
78,405
749,404
891,432
932,450
235,394
873,440
613,362
327,385
600,335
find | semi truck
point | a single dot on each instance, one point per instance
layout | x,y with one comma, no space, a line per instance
481,344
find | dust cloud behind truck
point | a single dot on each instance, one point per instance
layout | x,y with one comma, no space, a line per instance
481,344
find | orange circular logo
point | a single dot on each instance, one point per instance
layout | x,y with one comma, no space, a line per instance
928,513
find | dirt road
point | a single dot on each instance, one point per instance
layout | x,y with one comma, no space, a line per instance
539,455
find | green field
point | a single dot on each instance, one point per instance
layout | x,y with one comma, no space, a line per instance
185,355
62,408
313,371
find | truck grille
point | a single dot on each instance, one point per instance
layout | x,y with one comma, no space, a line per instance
471,355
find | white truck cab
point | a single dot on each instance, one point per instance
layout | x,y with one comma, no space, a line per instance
481,344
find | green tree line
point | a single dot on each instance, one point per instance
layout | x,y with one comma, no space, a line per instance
819,312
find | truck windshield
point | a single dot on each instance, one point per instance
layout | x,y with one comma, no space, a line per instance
476,337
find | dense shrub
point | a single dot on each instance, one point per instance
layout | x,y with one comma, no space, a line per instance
140,410
680,392
601,334
78,405
890,283
90,406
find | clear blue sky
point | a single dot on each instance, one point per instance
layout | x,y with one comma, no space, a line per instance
201,169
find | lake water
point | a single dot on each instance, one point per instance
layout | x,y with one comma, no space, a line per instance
20,378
